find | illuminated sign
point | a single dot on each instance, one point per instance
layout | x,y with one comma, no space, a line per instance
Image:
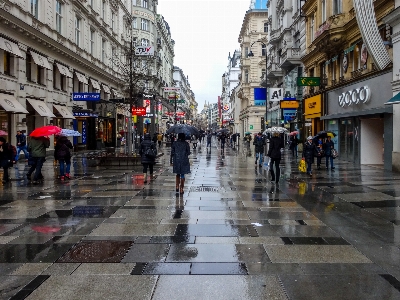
138,111
86,96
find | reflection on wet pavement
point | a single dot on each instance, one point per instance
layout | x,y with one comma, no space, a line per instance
232,235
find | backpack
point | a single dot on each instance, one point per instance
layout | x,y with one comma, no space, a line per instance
150,152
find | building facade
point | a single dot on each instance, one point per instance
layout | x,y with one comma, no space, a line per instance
186,105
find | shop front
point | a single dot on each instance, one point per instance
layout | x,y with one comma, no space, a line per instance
85,122
363,123
312,115
9,105
63,117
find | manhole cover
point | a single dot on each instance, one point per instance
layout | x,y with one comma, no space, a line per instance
207,189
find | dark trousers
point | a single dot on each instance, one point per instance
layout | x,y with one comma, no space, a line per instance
4,164
209,143
150,166
319,158
276,162
37,164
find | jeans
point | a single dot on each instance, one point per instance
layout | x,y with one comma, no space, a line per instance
19,149
309,168
294,151
276,162
327,162
209,143
259,155
68,163
150,166
222,146
37,167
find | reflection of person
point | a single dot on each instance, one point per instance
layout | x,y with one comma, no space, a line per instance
37,149
180,152
21,144
274,152
6,158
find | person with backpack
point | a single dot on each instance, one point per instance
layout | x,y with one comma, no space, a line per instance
259,144
62,153
148,153
21,145
6,158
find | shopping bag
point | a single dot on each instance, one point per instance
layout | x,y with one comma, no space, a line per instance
302,166
334,153
266,164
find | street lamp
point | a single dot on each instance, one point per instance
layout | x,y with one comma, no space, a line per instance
251,54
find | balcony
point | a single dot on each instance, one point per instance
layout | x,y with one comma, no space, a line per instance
274,70
290,58
275,34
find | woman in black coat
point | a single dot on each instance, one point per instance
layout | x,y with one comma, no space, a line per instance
274,152
62,153
6,158
309,151
148,161
180,152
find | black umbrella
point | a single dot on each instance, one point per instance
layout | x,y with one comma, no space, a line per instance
183,128
323,134
223,130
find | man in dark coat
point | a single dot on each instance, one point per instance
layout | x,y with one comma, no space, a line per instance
37,150
274,152
328,147
147,161
293,145
259,144
309,151
6,158
180,152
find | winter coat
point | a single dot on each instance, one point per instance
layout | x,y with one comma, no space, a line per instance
209,137
180,157
259,144
328,146
21,139
146,144
37,146
293,142
309,151
61,150
6,155
275,146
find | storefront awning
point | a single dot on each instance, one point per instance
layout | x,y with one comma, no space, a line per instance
9,103
366,112
106,88
64,112
81,77
41,108
40,60
95,84
64,70
395,99
10,47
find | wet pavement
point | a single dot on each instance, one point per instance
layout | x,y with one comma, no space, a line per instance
232,235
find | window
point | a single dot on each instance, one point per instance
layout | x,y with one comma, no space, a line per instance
246,52
113,54
35,8
246,76
145,25
265,27
58,16
263,50
145,3
92,39
92,3
262,73
77,31
103,10
312,29
28,67
103,50
113,20
134,23
145,42
337,7
323,11
7,63
40,75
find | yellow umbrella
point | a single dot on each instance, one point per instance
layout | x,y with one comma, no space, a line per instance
330,134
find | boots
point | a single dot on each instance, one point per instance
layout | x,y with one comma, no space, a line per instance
177,181
182,186
145,177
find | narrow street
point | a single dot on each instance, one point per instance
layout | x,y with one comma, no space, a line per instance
232,235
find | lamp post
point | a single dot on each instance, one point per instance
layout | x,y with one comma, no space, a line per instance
250,54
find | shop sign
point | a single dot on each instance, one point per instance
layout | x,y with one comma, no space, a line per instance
144,50
164,117
289,104
276,94
260,97
84,132
308,81
86,96
312,106
84,114
180,113
138,111
144,14
171,89
356,96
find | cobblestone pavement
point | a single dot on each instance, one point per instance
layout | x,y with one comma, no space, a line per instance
232,235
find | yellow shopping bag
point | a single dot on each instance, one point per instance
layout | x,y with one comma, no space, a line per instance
302,166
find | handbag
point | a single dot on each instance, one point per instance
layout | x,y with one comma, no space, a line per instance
334,153
151,152
302,166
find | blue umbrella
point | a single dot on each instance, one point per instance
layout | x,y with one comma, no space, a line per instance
69,132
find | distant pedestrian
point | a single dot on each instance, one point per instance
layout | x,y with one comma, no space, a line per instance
209,138
328,147
154,139
259,144
21,145
309,151
293,145
194,141
320,152
222,139
180,157
62,153
234,137
148,159
6,158
37,149
274,152
159,139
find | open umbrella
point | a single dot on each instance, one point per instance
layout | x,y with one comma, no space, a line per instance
2,132
276,130
45,131
247,132
323,134
183,128
223,130
294,133
69,132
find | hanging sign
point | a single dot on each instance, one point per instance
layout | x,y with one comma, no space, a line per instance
308,81
138,111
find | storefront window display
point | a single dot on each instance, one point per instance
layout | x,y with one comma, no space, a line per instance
105,131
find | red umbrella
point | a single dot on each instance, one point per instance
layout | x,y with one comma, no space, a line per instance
45,130
2,132
46,229
294,133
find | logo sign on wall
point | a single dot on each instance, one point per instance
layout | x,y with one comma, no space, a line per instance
86,96
138,111
144,50
356,96
84,132
260,96
276,94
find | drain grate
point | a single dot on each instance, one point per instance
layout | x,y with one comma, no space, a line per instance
212,189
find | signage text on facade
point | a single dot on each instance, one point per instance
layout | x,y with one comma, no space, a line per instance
356,96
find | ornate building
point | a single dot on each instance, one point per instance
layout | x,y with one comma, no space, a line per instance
186,102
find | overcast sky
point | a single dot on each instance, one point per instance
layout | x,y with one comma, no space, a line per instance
204,32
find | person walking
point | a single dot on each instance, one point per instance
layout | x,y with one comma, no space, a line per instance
148,153
6,158
320,152
209,137
259,144
222,139
21,145
234,137
194,141
328,147
275,154
180,158
309,151
159,139
293,145
37,149
63,155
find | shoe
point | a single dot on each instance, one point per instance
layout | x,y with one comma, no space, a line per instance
62,178
310,174
67,176
28,176
260,166
318,168
5,180
333,168
35,182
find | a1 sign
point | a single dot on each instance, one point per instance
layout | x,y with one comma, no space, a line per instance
138,111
